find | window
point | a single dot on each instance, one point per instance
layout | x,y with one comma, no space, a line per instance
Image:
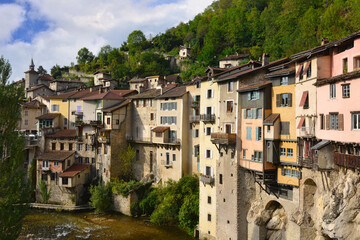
45,164
322,123
248,113
195,133
92,160
61,146
346,90
290,152
259,113
44,177
80,159
345,65
87,160
87,148
53,146
284,100
209,93
151,116
282,152
308,72
229,106
68,163
333,121
208,153
168,120
108,120
70,146
355,121
258,134
356,63
284,81
196,151
167,158
248,133
174,157
301,72
56,163
284,128
168,106
80,147
117,121
209,217
26,122
208,131
254,95
55,108
26,112
64,181
144,103
332,90
230,86
295,174
258,156
244,153
209,200
220,178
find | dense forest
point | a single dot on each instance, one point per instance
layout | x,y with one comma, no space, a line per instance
278,27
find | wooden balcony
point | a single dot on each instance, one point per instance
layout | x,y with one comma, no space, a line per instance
206,179
223,138
207,117
308,162
347,160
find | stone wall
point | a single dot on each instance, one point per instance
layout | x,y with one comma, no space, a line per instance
123,204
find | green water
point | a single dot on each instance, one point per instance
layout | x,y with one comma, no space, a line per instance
54,225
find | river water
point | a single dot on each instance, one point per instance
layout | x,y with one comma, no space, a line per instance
62,225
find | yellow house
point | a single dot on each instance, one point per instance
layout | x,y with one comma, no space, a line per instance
60,104
283,103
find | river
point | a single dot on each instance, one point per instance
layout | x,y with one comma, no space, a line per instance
63,225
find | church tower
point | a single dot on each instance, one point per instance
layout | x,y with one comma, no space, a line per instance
31,76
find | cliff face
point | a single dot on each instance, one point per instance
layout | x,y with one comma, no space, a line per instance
326,206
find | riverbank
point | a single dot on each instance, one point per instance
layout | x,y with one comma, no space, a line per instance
41,224
60,207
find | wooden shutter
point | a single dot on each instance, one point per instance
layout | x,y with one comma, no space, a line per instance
303,98
290,99
327,122
341,122
306,67
244,113
298,72
301,122
278,97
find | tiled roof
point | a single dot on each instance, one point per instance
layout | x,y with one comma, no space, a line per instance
106,95
66,133
153,92
38,87
55,155
282,72
46,77
74,169
271,119
117,106
253,87
172,78
160,129
63,95
234,57
175,92
123,93
138,80
49,116
341,77
83,93
47,98
33,104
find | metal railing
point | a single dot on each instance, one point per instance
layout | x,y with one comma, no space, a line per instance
207,117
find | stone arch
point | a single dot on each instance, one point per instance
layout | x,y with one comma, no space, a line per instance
307,228
273,222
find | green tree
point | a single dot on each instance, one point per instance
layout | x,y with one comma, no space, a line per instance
126,158
14,191
56,72
101,197
45,192
136,41
84,56
41,70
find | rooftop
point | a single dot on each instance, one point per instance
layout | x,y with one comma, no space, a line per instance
160,129
117,106
253,87
234,57
74,169
56,155
38,87
66,133
109,95
271,119
174,93
49,116
341,77
34,104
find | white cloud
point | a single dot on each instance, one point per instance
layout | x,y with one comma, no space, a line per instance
11,18
91,24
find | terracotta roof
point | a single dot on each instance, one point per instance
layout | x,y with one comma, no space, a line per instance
174,93
153,92
123,93
49,116
46,77
55,155
138,80
33,104
83,93
160,129
74,169
234,57
38,87
63,95
271,119
282,72
172,78
106,95
342,77
117,106
253,87
66,133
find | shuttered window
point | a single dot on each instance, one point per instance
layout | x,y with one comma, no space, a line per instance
284,128
248,133
258,134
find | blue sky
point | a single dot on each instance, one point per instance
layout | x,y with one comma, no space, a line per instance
52,31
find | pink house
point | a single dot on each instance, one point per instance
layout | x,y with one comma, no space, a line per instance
338,102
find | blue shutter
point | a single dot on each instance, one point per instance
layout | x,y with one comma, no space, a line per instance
257,134
251,115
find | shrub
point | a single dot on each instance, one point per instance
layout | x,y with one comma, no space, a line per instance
101,197
189,213
45,194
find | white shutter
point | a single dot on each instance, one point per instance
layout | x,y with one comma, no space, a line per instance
205,153
212,93
212,130
212,171
213,110
204,170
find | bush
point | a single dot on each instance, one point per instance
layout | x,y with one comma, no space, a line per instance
148,204
189,213
135,209
101,197
45,194
123,188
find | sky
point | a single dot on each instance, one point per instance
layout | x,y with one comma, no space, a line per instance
52,31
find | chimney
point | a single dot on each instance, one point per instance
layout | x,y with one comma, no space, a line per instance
265,59
324,41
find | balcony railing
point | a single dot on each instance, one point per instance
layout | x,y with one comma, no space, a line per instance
308,162
195,104
206,179
306,132
347,160
138,139
223,138
194,118
172,140
207,117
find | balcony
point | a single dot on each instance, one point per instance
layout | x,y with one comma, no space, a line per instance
103,139
347,160
79,113
195,104
207,117
172,140
223,138
308,162
167,164
138,139
306,132
206,179
194,118
31,141
44,168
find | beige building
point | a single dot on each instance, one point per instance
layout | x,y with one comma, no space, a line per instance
233,60
139,84
29,112
41,89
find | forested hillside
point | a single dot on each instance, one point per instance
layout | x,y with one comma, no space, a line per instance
278,27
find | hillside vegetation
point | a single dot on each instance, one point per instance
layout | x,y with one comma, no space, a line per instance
278,27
